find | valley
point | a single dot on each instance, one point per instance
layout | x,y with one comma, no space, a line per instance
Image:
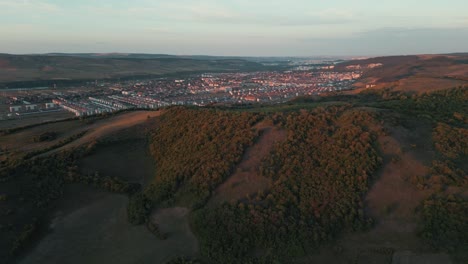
364,178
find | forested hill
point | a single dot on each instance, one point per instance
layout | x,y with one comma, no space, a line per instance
326,178
335,179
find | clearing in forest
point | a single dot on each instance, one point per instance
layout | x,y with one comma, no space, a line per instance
246,179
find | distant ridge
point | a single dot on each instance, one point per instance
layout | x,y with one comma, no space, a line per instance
44,70
418,73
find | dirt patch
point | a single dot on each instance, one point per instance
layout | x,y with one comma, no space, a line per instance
246,179
392,195
393,199
108,126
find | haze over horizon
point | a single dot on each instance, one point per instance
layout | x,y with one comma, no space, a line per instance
234,28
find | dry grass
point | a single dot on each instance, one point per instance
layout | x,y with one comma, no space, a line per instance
424,84
111,125
27,120
246,179
108,126
22,142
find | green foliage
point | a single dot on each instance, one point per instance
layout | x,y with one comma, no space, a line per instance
46,136
184,261
39,182
452,142
55,146
444,106
154,228
138,209
445,223
23,238
195,150
112,184
320,176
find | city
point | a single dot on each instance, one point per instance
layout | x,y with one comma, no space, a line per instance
197,90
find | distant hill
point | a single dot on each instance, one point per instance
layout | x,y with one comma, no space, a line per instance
419,73
195,57
36,70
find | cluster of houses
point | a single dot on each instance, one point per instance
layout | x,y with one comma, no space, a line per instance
27,107
107,104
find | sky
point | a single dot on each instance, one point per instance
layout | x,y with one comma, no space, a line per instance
235,27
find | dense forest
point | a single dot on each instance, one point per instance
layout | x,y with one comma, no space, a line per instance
445,214
195,151
320,176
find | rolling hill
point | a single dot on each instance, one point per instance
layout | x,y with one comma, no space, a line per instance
360,178
41,70
377,176
417,73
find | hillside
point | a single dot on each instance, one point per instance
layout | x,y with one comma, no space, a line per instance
43,70
416,73
368,178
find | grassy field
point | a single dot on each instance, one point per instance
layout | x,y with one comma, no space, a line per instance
22,141
98,232
96,219
28,120
424,73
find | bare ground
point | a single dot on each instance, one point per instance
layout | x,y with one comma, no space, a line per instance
246,179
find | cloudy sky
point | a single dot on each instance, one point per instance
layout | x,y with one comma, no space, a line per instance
235,27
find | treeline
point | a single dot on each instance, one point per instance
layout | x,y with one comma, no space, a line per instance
59,144
195,150
85,119
445,223
443,106
451,142
37,184
444,216
46,136
320,176
8,131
